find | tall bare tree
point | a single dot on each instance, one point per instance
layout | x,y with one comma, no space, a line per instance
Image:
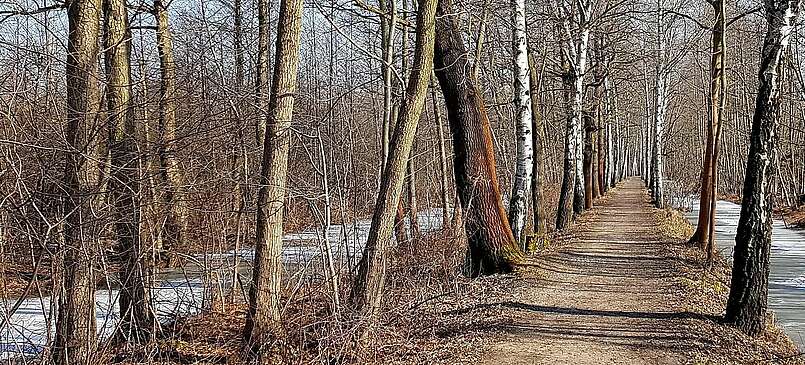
492,247
367,290
138,322
263,317
170,172
76,338
521,187
748,297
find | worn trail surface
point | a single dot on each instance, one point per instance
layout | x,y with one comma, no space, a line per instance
606,297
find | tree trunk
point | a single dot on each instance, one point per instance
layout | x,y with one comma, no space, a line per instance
138,322
262,79
170,174
76,338
388,26
563,215
367,291
748,298
521,186
537,174
660,107
589,130
263,317
709,188
442,155
492,247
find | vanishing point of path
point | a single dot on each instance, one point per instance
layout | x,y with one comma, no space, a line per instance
607,296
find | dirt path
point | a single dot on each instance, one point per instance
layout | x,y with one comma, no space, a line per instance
606,297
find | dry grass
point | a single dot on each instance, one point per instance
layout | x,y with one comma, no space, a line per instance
706,291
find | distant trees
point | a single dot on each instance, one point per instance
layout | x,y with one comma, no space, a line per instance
748,297
263,317
76,338
492,247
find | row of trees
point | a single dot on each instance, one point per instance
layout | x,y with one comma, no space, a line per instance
208,140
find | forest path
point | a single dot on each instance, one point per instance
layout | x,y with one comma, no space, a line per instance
607,296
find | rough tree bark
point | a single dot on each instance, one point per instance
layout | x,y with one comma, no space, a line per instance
748,298
76,339
170,172
367,291
563,215
521,186
138,322
492,247
263,317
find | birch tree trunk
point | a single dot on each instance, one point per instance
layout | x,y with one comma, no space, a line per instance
574,49
521,186
263,317
748,297
611,110
492,248
660,106
138,322
367,291
76,338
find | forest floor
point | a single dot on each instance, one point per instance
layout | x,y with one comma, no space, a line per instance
621,289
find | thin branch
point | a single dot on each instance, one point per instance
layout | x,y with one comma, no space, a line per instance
9,13
737,18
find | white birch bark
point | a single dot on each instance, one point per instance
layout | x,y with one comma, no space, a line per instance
611,112
518,207
660,106
574,46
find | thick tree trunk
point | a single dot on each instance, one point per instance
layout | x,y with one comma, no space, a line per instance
748,298
175,226
521,186
138,322
76,338
367,291
263,317
563,213
492,247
